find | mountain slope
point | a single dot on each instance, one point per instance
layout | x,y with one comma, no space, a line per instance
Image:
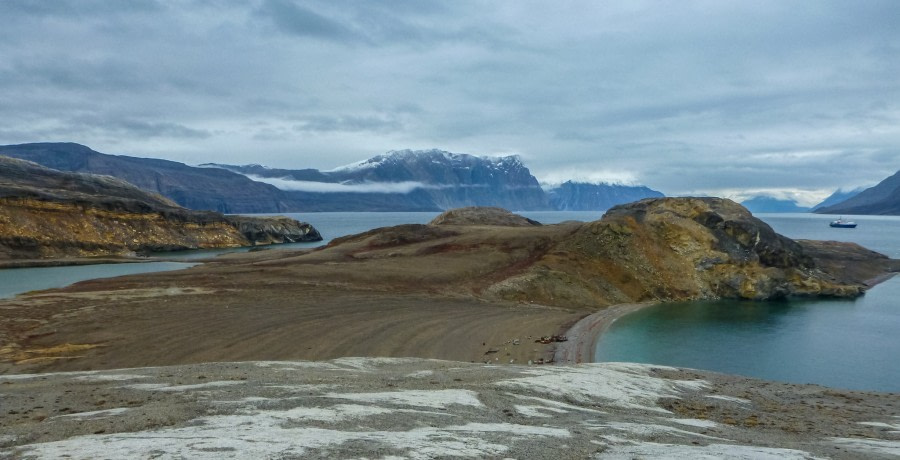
759,204
839,196
45,213
579,196
882,199
191,187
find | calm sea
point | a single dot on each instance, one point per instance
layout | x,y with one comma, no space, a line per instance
853,344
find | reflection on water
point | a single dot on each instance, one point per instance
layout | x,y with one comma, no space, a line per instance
840,343
15,281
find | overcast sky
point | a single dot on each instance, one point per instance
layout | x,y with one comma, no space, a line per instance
713,97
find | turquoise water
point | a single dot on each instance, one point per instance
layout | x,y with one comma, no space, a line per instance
15,281
852,344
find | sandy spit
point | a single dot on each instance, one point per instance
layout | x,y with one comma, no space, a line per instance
584,335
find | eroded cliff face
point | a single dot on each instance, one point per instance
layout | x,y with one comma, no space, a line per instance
39,229
50,214
657,249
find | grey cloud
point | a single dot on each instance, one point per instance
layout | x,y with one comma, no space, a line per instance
292,18
326,187
348,123
76,8
133,128
684,96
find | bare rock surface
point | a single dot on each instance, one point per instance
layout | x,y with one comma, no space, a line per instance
413,408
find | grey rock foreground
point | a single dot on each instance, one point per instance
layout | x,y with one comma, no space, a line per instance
413,408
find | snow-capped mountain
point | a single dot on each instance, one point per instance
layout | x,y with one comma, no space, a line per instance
418,179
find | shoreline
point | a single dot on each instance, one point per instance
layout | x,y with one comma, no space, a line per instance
584,334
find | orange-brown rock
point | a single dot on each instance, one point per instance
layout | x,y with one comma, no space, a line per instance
51,214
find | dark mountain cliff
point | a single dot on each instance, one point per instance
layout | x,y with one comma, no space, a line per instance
882,199
191,187
578,196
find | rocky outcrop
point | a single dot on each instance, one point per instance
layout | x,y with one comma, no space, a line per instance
269,230
682,249
483,216
51,214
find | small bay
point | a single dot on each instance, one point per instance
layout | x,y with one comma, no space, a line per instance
853,344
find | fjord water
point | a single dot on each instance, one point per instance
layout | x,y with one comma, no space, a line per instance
853,344
15,281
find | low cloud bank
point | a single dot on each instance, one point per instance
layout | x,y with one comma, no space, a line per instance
331,187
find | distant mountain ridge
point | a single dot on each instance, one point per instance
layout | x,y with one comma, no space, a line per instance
762,204
402,180
579,196
191,187
838,196
882,199
443,179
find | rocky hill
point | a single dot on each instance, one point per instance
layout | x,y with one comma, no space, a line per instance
882,199
47,214
579,196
